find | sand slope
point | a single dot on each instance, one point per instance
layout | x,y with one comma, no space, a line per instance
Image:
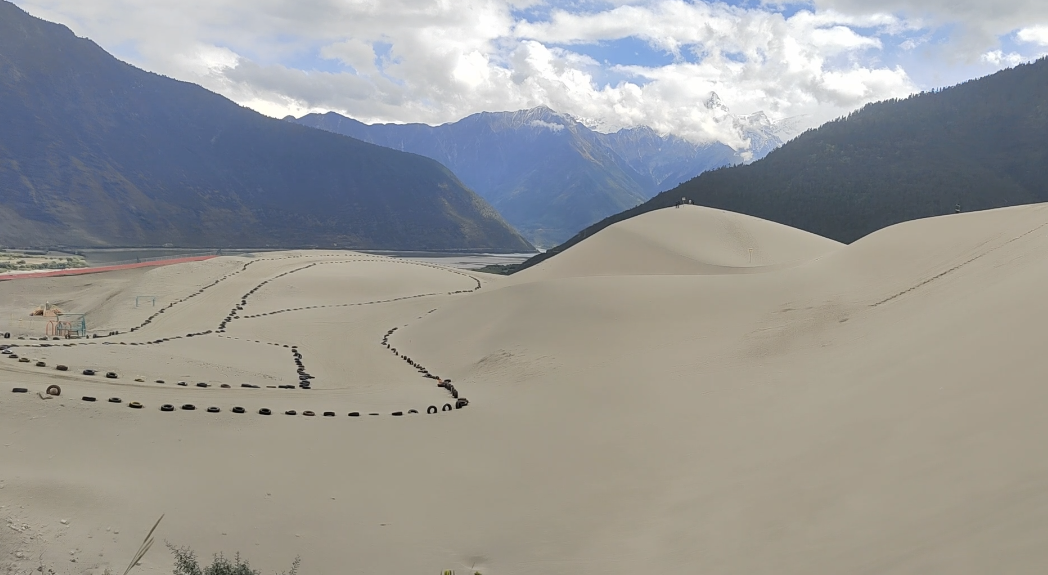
875,408
685,240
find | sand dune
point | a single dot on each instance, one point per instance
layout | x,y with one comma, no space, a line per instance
635,406
688,240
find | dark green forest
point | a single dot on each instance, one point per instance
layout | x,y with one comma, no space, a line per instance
979,145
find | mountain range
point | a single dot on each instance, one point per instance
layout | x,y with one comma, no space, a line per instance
547,173
979,145
95,152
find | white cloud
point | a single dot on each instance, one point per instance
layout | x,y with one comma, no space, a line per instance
999,58
437,60
547,125
206,60
979,23
1034,35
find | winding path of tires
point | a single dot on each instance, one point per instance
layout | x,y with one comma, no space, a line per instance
456,402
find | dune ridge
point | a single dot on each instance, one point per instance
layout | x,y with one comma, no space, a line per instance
685,240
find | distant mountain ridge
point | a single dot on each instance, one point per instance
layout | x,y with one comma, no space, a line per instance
979,145
547,173
95,152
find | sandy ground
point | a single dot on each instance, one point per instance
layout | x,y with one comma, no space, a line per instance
689,391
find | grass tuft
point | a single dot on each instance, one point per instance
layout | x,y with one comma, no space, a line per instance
142,549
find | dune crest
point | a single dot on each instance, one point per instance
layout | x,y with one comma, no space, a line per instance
684,241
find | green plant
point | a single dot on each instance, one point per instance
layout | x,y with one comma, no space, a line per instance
186,564
500,269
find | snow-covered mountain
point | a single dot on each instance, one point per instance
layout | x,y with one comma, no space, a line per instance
550,175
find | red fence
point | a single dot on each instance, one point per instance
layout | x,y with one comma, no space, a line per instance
81,271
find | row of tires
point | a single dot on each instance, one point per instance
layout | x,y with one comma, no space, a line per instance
11,355
234,313
196,293
460,402
114,375
54,390
334,305
304,384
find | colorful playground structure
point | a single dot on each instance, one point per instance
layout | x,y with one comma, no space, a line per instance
67,325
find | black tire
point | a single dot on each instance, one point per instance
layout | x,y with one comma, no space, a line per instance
111,375
265,411
329,414
188,407
447,407
213,410
62,367
308,413
19,390
354,414
291,412
412,411
167,407
398,413
183,384
463,402
54,390
238,409
41,364
160,381
431,409
115,400
225,386
201,384
87,398
135,405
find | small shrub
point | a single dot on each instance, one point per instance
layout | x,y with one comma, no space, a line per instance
186,564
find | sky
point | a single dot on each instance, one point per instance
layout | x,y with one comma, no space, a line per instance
613,64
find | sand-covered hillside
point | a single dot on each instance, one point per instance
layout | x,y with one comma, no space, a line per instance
658,399
687,240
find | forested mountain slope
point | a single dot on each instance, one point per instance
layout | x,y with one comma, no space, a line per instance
95,152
